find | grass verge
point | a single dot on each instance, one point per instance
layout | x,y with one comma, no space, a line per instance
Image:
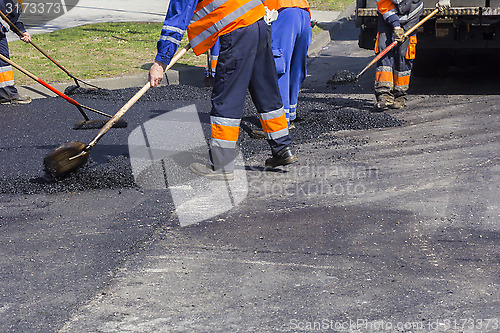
90,51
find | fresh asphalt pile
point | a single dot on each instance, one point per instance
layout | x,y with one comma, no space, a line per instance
342,77
316,117
116,173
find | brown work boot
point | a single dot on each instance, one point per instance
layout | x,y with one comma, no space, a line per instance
384,101
283,157
20,100
16,100
399,102
258,134
207,172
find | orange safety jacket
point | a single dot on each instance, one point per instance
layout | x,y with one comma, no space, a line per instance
213,18
278,4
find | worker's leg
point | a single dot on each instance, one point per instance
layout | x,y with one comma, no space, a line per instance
384,80
298,65
404,62
266,95
7,88
402,73
234,69
283,41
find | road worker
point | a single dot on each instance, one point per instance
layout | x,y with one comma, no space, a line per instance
245,63
291,37
392,78
8,92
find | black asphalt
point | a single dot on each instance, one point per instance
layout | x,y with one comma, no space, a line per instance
389,223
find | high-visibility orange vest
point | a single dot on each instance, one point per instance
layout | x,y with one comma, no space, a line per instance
277,4
385,6
213,18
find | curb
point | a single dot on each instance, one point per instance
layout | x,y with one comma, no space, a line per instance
323,38
179,74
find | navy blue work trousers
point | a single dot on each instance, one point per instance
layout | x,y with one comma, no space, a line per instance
245,64
7,89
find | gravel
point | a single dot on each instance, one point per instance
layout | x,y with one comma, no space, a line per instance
116,173
317,116
342,77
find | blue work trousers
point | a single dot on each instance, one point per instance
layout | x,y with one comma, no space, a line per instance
291,37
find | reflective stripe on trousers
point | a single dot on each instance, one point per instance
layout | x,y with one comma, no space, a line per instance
214,57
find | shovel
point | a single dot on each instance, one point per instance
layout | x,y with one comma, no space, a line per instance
72,155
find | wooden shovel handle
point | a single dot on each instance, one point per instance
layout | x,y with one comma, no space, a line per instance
132,101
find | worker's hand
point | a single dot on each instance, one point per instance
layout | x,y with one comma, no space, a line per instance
399,35
443,4
26,37
156,73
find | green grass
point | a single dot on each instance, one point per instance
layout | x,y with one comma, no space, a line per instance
106,49
334,5
90,51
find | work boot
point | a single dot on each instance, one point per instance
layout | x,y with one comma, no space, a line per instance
16,100
208,81
283,157
20,99
207,172
399,102
258,134
384,101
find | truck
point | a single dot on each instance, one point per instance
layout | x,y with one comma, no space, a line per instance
459,36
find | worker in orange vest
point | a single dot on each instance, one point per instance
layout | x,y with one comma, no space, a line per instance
392,77
245,63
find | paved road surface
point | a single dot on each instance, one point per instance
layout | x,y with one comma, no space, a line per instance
389,229
93,11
